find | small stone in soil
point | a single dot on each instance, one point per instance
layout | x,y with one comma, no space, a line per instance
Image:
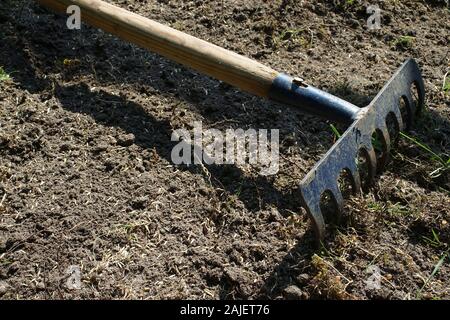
293,293
126,140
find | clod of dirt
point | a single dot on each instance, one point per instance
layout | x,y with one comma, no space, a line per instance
235,275
274,215
13,268
213,276
139,203
3,140
293,293
3,244
110,164
66,147
125,140
101,147
40,286
240,281
303,279
4,287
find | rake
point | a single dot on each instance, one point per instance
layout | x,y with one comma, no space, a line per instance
263,81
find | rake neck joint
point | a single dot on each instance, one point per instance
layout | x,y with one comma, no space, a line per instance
294,92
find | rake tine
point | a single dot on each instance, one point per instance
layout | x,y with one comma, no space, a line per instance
356,179
383,134
372,165
315,215
338,199
410,110
397,117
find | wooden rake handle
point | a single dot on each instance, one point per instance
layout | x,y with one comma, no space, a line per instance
239,71
207,58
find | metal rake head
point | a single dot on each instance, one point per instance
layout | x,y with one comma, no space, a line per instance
357,140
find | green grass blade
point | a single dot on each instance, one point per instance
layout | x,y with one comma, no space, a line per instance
335,131
435,270
424,147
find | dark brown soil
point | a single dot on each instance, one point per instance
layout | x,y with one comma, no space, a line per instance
86,177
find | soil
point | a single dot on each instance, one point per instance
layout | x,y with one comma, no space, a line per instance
86,177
